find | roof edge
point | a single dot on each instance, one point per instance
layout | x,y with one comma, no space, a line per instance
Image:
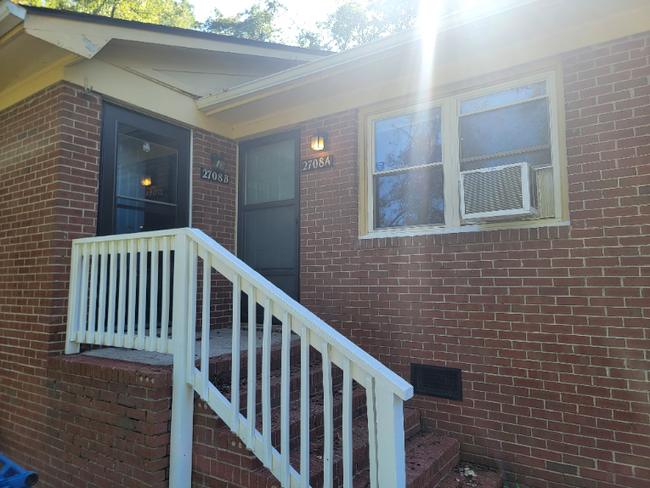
163,29
11,16
344,60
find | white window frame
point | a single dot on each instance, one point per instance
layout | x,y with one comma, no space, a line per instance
450,113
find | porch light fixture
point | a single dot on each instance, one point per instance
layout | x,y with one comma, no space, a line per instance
318,141
146,180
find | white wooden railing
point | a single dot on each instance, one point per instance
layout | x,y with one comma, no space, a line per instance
145,291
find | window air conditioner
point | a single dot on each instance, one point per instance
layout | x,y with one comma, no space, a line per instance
501,193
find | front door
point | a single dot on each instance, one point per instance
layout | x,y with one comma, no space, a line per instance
145,171
269,209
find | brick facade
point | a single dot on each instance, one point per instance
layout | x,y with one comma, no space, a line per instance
49,163
549,325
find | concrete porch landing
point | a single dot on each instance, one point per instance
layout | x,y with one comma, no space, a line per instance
220,343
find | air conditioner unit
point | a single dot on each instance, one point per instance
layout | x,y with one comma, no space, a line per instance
506,192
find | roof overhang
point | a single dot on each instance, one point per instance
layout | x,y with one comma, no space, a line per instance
156,69
468,44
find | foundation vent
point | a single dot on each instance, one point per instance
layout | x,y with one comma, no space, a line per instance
437,381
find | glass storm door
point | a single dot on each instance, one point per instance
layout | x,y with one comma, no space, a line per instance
144,181
269,209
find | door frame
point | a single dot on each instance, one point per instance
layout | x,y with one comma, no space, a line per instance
106,203
263,141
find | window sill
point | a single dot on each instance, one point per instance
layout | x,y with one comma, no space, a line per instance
424,231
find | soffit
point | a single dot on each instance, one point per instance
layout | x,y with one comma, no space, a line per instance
198,72
23,56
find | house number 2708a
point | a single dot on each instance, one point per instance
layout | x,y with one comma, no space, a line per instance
317,163
218,176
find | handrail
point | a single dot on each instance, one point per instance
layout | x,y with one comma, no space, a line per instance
151,291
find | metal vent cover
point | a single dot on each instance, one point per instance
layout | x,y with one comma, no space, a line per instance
499,193
437,381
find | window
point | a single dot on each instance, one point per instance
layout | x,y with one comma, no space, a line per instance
417,155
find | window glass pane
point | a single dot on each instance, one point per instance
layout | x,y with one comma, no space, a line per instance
140,216
145,169
408,140
270,237
270,172
513,95
413,197
506,129
537,159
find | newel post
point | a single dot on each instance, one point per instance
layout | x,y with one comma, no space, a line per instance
390,439
180,449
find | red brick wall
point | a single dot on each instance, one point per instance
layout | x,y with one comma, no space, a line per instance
213,203
108,423
49,161
550,326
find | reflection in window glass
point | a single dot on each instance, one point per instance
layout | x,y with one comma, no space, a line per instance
145,169
505,129
270,172
413,197
537,159
505,97
408,140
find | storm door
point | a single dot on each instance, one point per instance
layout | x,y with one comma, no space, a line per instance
144,186
269,209
144,176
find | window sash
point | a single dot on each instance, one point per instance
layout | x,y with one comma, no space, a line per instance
451,147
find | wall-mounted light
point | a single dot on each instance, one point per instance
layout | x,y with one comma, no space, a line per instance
145,180
218,162
318,141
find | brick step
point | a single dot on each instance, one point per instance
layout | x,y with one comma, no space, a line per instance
429,458
470,475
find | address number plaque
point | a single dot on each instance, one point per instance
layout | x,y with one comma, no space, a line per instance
317,163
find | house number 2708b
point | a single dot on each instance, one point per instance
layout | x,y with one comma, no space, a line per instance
317,163
218,176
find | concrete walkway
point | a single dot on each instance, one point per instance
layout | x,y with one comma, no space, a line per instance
220,343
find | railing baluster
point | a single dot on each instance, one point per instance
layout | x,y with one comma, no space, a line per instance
266,384
72,345
92,298
142,293
103,278
236,351
347,424
304,407
372,430
112,291
252,373
285,365
133,262
328,449
164,318
83,302
153,296
121,305
192,264
205,329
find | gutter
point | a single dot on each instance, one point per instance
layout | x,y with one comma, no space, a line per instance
346,60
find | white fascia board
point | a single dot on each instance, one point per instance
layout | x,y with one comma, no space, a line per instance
339,62
11,16
87,38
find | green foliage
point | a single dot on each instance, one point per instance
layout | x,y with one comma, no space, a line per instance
255,23
175,13
352,24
